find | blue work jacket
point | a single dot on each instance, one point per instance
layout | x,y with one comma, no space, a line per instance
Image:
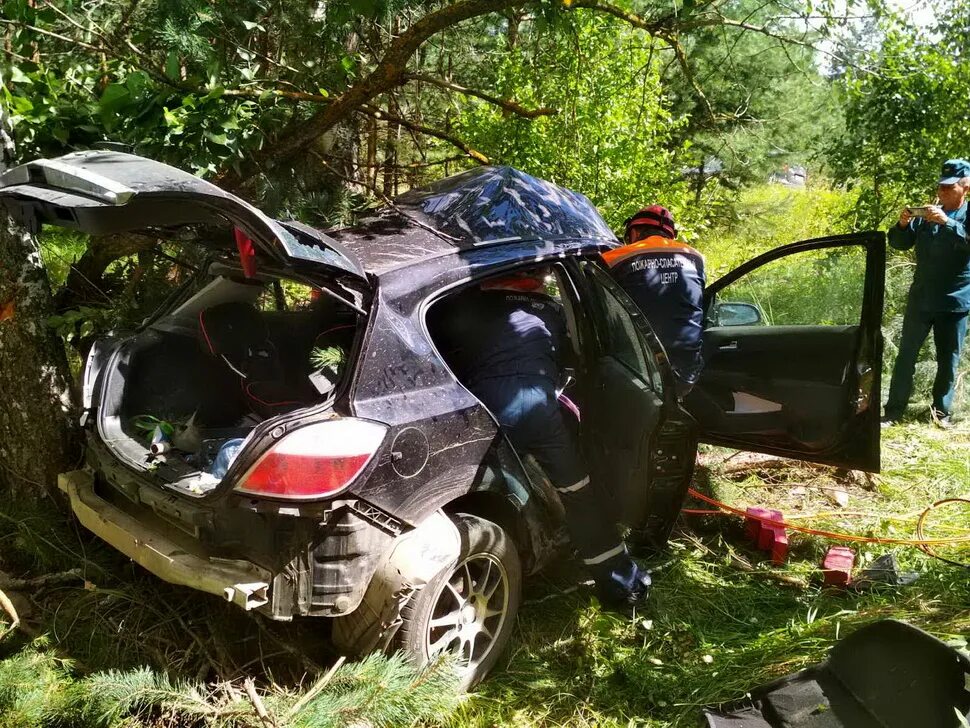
942,278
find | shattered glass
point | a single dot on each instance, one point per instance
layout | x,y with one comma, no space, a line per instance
495,204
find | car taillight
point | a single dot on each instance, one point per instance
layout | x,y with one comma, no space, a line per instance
315,461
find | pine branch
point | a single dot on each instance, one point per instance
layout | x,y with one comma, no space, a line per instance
51,34
318,686
513,107
39,582
385,76
689,75
652,26
382,115
256,93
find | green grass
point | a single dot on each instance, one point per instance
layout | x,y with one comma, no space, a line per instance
108,645
716,627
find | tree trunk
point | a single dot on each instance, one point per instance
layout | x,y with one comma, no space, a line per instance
38,437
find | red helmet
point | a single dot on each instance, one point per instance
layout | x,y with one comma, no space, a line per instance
655,216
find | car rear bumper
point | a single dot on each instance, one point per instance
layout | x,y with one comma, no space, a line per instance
171,558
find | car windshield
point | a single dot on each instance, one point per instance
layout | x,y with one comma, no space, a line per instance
493,204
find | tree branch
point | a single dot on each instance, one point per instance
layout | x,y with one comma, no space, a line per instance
385,76
382,115
689,75
653,27
511,106
35,29
379,194
255,93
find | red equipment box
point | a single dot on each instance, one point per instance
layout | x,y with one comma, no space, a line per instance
837,566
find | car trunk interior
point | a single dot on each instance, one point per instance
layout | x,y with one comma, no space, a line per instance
236,353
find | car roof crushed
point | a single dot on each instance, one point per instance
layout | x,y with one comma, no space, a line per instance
483,206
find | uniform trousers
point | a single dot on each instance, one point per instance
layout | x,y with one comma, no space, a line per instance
528,410
949,329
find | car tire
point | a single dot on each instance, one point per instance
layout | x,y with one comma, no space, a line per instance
469,609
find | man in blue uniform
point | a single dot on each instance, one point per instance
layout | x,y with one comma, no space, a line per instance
506,340
940,295
665,278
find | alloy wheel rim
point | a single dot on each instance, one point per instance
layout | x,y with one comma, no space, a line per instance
470,611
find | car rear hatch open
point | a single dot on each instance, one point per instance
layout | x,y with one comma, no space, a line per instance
103,192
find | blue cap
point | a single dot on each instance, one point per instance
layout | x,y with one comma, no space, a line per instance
954,170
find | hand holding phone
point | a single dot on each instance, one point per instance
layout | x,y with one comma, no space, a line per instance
919,210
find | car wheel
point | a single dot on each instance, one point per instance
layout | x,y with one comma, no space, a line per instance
467,610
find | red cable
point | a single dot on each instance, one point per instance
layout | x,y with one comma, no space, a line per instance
830,534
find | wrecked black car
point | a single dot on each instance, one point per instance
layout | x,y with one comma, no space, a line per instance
284,434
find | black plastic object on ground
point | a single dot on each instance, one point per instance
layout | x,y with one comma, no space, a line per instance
886,675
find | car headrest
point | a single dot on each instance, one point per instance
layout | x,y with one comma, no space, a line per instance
232,330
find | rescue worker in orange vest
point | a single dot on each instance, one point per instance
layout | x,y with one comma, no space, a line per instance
665,278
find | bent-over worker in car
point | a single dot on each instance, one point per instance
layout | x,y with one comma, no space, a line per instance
506,338
665,278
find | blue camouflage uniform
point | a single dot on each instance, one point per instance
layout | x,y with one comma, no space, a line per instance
506,347
939,299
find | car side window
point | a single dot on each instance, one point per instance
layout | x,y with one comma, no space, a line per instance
617,330
822,287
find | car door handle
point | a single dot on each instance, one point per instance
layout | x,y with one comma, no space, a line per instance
730,346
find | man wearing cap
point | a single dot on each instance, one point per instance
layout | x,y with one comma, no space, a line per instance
505,339
939,298
665,278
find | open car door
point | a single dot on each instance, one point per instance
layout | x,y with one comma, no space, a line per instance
101,192
793,353
640,443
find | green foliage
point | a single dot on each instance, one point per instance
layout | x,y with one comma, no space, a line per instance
115,698
382,692
32,682
82,323
613,136
60,248
814,288
820,287
770,103
905,115
330,357
38,689
767,216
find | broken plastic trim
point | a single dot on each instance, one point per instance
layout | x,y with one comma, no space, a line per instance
247,596
241,582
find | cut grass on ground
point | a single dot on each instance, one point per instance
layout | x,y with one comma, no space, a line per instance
716,628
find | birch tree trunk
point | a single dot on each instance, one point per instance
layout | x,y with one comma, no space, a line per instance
38,437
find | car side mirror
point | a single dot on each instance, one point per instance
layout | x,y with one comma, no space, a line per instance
736,314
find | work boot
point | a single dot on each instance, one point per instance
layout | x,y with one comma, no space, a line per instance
626,594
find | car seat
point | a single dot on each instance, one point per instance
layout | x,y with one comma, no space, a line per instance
236,334
885,675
